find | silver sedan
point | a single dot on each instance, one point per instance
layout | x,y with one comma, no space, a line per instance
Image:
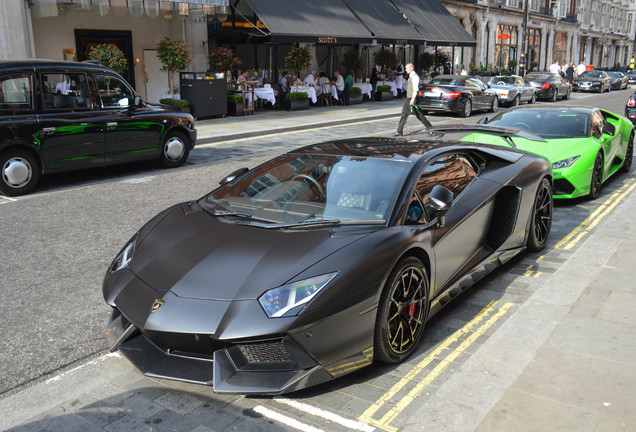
512,90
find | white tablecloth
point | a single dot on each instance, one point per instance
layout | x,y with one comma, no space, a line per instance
334,92
261,93
311,92
389,83
366,88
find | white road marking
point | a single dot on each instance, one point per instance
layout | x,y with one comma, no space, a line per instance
273,415
99,359
332,417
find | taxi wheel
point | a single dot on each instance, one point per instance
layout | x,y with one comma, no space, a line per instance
402,312
174,150
20,172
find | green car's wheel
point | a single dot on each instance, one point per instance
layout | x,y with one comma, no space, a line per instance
402,312
541,217
597,177
627,164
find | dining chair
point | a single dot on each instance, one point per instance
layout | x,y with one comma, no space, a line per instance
325,94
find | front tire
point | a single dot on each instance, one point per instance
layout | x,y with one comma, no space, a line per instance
174,150
468,109
541,217
567,95
515,101
402,312
597,177
19,172
533,99
555,95
495,105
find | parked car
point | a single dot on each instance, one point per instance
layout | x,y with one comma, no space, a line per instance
512,90
457,93
619,80
592,80
585,145
631,78
550,86
320,261
630,108
59,116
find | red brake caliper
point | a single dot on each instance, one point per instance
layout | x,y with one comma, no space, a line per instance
412,307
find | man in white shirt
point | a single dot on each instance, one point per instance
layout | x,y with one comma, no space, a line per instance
412,90
580,68
554,68
339,83
310,80
64,86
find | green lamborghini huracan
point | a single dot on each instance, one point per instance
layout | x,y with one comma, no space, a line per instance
584,145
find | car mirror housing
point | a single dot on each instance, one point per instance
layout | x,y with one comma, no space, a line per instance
609,129
233,175
483,120
439,201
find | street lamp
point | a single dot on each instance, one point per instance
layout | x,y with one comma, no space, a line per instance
523,63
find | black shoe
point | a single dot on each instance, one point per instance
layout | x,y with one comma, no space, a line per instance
398,134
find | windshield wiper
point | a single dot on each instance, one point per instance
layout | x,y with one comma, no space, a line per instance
231,213
314,223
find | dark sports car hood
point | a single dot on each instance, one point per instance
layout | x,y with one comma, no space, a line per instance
196,255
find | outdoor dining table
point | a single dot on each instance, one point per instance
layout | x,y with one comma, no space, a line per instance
365,88
334,92
262,93
391,84
311,92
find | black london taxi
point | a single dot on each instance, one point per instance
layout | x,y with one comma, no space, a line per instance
59,116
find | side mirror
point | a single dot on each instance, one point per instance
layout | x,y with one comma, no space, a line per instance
239,172
483,120
138,101
609,129
439,201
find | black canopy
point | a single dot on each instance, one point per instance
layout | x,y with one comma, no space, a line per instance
385,22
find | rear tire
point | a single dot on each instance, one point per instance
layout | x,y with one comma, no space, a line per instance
627,163
468,109
174,150
19,172
555,95
495,105
533,99
402,312
541,216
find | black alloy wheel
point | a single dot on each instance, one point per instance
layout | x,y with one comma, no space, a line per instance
541,217
468,109
174,150
19,172
627,163
597,177
402,312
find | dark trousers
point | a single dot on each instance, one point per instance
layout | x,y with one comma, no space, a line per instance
406,110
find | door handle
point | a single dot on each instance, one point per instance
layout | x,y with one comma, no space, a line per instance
111,124
48,129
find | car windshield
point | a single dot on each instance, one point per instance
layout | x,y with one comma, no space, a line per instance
545,123
615,74
591,74
502,80
309,188
537,77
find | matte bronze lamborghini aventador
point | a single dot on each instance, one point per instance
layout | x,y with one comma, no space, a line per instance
320,261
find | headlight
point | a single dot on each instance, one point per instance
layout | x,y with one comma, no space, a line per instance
288,300
564,163
125,256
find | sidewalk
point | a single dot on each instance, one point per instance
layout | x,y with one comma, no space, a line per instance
565,360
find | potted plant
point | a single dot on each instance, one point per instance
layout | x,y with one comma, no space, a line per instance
224,60
385,59
383,93
109,55
296,101
353,63
174,56
512,65
182,105
235,104
355,95
425,61
533,65
297,59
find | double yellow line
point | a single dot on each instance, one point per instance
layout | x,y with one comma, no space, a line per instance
444,362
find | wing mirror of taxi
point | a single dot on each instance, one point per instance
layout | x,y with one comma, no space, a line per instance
609,129
138,101
439,201
235,174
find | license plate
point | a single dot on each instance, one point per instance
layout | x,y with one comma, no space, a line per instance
432,93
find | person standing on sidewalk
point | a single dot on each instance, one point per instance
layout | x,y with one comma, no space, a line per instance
412,89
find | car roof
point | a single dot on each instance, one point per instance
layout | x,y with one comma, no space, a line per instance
14,64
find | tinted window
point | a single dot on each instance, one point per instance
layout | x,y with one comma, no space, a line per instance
444,81
113,92
16,93
64,91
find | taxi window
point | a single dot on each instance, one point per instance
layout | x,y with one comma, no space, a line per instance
114,92
64,91
16,93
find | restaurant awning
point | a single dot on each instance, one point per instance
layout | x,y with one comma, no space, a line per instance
361,21
438,26
387,25
323,21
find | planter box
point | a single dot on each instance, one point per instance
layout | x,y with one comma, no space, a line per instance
296,104
355,99
383,96
235,109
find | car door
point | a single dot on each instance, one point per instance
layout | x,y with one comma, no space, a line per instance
129,133
70,133
610,144
465,228
482,98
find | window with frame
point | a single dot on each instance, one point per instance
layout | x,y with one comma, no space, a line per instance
64,91
16,93
453,171
113,92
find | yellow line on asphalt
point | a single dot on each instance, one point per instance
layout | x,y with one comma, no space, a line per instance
214,144
592,220
410,397
367,416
